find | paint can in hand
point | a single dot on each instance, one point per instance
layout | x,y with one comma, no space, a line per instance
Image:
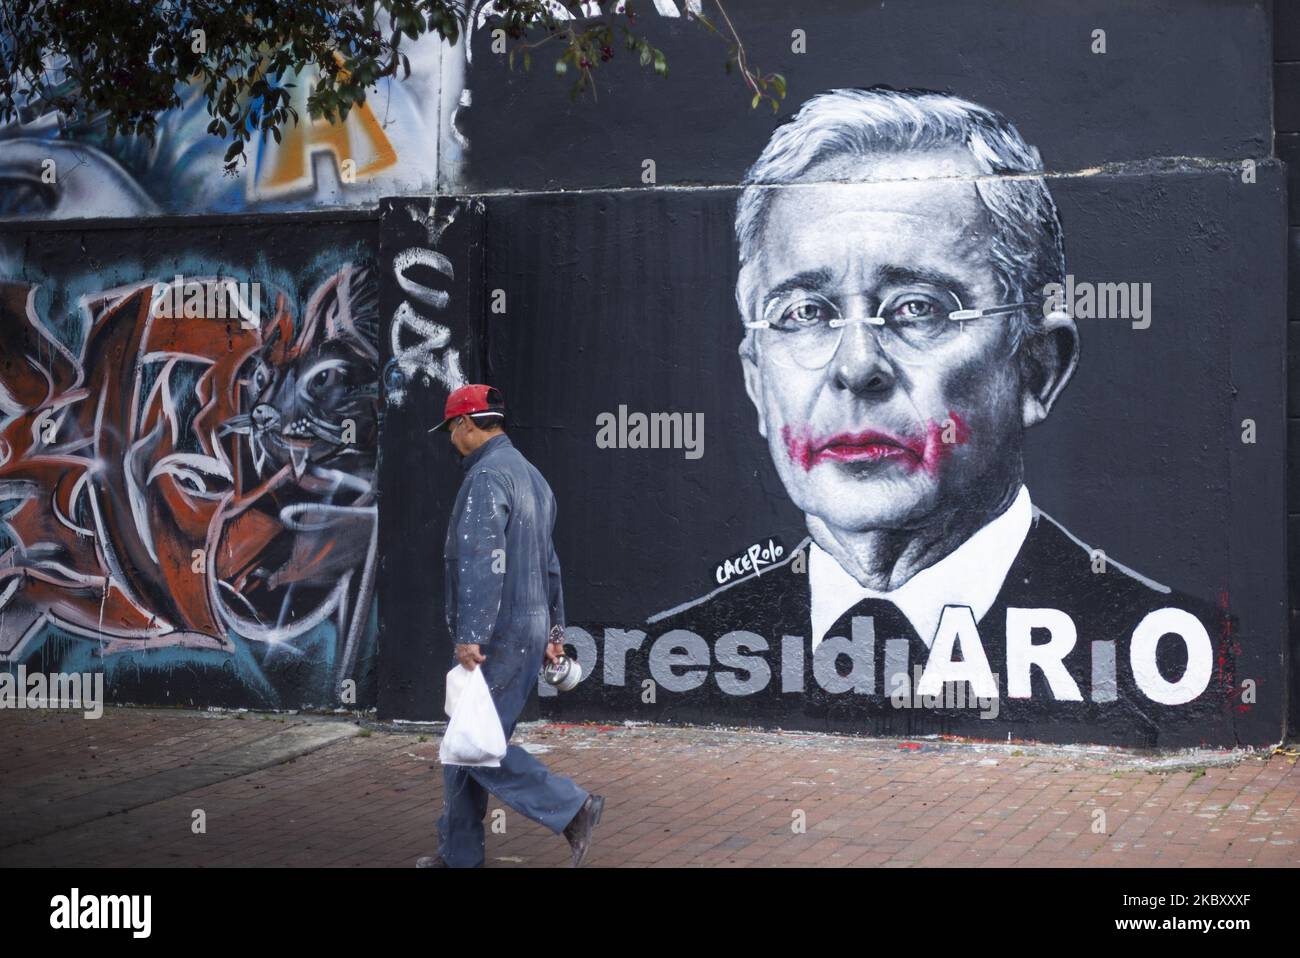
564,673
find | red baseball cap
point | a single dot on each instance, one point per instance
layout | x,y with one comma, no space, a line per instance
471,399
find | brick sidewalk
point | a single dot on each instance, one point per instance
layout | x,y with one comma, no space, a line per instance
319,791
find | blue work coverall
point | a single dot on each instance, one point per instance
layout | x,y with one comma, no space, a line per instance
503,593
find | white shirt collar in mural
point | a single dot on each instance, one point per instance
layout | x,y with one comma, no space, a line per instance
970,575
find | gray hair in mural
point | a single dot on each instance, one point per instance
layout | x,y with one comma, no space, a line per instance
1025,245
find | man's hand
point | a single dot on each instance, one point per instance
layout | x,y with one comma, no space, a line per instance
555,647
468,655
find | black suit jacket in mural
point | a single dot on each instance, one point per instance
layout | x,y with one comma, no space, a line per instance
1051,571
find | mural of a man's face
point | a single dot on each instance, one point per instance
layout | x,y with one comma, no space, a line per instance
884,436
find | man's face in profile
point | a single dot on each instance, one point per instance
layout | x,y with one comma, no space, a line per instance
890,433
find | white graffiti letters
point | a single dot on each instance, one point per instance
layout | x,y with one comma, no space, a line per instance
682,661
420,345
754,559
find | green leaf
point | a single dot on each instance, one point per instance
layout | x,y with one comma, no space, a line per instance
753,104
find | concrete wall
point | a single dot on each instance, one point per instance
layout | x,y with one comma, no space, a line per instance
582,257
1156,475
1286,112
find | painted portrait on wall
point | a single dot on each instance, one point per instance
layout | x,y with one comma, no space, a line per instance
901,269
923,416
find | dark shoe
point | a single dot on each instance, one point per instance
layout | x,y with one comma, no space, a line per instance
430,861
578,831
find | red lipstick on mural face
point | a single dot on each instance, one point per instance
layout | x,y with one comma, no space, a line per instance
914,453
868,446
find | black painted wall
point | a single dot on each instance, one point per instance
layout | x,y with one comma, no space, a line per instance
1286,144
619,292
556,271
1179,78
435,311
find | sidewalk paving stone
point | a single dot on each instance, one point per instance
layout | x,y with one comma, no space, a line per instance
328,791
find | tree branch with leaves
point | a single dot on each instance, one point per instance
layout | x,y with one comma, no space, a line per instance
118,64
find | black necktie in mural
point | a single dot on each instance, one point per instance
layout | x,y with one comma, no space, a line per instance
882,648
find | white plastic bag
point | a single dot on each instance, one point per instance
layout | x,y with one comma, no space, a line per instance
457,679
474,735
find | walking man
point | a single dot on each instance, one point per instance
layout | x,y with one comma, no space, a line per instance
503,601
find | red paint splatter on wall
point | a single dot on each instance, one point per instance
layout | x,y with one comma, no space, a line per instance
1225,659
